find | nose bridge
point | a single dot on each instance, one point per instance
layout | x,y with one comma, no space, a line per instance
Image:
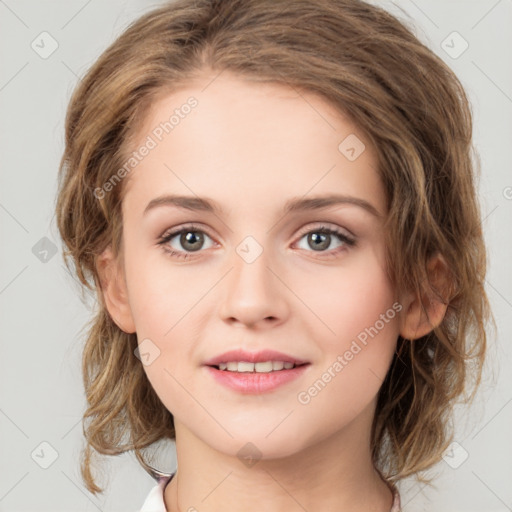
250,261
253,291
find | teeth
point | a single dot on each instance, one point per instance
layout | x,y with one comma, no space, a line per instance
261,367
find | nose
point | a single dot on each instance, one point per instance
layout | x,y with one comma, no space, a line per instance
254,293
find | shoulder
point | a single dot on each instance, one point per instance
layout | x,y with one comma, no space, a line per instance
155,499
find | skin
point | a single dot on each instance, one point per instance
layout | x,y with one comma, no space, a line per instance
251,147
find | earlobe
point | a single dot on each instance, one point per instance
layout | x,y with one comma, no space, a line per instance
114,290
422,314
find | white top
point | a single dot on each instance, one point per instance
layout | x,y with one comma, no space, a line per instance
155,499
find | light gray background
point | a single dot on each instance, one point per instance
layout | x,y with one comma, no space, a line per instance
42,314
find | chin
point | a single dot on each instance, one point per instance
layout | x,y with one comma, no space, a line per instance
254,445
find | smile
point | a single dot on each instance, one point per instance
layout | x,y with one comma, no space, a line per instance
256,378
261,367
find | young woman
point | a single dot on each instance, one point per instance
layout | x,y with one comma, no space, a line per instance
275,202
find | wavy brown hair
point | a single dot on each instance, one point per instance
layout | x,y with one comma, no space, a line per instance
403,98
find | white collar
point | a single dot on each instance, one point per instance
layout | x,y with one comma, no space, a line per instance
155,499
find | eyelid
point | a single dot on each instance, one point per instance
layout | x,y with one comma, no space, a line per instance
190,227
324,224
306,229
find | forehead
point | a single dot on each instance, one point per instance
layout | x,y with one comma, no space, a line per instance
224,134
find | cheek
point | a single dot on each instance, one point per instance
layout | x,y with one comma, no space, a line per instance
165,303
350,298
353,365
360,329
162,293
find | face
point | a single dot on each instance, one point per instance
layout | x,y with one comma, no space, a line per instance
233,266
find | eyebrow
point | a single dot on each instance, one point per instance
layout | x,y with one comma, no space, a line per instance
293,205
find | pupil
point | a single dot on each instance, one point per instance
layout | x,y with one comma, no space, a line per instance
190,238
323,244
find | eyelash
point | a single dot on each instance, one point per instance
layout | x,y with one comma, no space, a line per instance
165,239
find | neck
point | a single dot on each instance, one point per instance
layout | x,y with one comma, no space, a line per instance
335,473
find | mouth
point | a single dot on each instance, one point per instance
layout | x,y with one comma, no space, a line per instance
259,372
259,367
255,378
264,360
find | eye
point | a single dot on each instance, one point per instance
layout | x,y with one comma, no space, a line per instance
191,238
321,238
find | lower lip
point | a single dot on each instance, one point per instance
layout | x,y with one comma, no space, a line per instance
255,383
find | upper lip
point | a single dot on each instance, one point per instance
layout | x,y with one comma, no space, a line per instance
252,357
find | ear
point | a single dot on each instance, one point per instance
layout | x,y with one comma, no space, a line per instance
422,314
114,290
